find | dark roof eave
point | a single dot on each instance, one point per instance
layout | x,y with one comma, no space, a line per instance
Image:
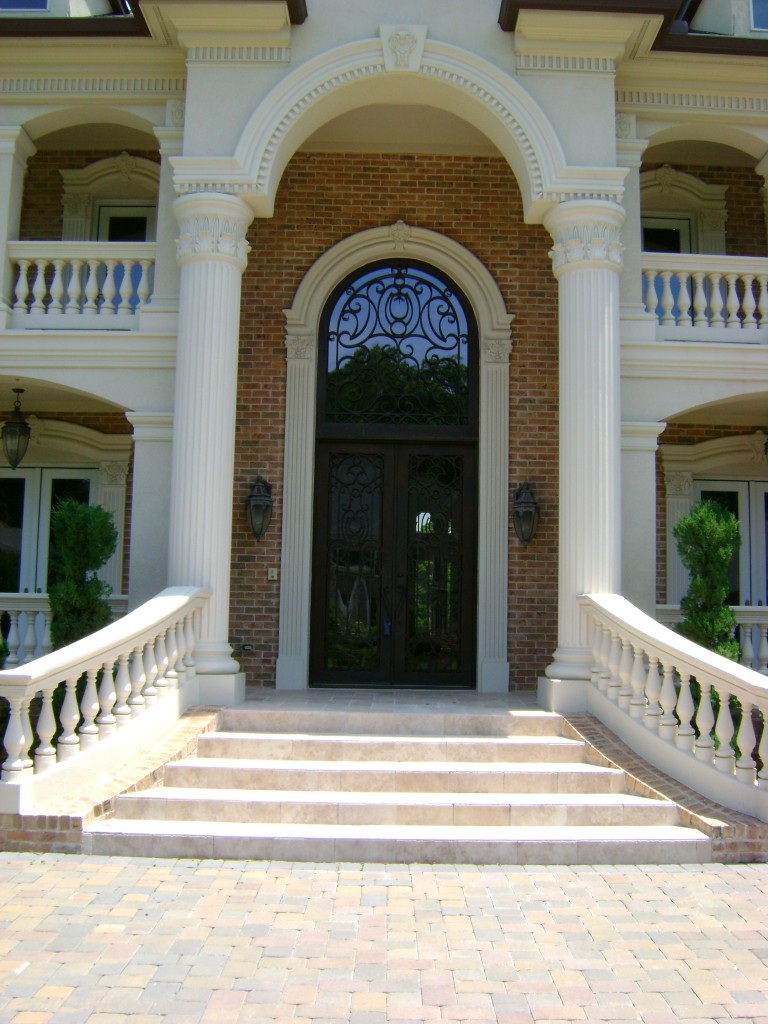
674,35
109,25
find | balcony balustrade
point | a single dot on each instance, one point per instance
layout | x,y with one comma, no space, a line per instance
26,622
81,285
721,297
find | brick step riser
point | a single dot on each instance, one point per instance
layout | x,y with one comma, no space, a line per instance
343,749
401,851
466,814
360,723
401,779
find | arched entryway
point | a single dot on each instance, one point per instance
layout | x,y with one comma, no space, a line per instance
394,535
449,262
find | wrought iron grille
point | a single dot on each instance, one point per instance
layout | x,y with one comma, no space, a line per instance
398,350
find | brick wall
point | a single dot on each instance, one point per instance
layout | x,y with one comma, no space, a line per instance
41,210
745,229
322,199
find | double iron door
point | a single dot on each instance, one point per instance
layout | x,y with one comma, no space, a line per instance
394,564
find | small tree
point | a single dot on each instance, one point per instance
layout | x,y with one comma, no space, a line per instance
83,538
707,539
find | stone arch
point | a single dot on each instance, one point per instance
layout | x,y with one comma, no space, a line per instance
358,74
302,320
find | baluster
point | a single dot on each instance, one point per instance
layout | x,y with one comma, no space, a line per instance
12,640
762,753
45,755
190,641
68,744
637,682
651,302
106,721
653,692
715,300
39,288
46,644
181,648
667,298
684,317
136,700
747,650
23,630
724,756
125,292
57,287
704,748
75,286
625,674
745,741
22,292
108,289
614,683
686,734
597,640
668,700
91,289
749,305
732,301
150,673
161,660
121,710
762,301
700,318
17,740
604,677
762,650
89,708
172,649
142,291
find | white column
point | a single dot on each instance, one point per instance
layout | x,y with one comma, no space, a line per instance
587,262
15,149
639,442
212,255
162,309
150,505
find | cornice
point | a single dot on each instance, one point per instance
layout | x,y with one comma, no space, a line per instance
691,361
94,350
46,85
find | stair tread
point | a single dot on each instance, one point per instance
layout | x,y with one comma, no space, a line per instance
259,764
325,737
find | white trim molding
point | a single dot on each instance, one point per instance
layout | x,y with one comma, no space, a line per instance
355,75
494,328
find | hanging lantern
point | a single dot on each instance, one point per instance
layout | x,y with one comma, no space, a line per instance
259,505
525,514
16,433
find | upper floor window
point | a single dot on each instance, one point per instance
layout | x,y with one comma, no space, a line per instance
681,213
23,5
760,14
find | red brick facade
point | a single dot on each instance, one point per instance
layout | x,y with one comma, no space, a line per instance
475,201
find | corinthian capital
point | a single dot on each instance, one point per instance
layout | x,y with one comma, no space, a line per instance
586,233
212,225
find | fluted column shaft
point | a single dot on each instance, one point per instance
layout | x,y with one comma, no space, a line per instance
587,261
212,254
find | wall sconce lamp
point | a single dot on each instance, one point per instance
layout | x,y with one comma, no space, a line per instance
258,506
525,514
16,433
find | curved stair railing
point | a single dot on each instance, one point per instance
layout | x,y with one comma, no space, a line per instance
695,715
74,711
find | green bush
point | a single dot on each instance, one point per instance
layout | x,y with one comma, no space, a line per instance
83,538
707,539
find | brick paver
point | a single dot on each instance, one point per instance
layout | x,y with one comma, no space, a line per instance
97,940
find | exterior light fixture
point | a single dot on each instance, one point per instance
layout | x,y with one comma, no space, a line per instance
525,514
259,505
16,433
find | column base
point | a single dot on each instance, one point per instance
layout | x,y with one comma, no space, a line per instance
563,695
224,688
570,663
291,673
493,676
214,659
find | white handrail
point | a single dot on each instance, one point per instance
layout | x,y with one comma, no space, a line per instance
103,682
655,689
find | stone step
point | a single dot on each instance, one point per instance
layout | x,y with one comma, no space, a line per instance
367,776
464,809
327,747
409,719
402,844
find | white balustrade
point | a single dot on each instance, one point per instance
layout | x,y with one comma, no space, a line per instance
25,620
703,705
88,690
751,631
707,292
88,282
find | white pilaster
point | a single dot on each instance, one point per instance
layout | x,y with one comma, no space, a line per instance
762,168
639,442
587,261
16,148
150,506
629,153
212,254
112,478
679,488
162,309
